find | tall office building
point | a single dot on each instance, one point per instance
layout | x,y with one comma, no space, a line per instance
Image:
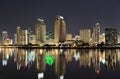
18,34
40,31
59,30
31,37
15,38
102,38
111,36
118,38
21,36
85,35
96,33
4,37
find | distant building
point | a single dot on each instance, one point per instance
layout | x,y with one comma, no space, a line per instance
31,37
111,36
22,36
77,37
40,31
102,38
68,36
118,38
96,33
15,38
59,30
85,35
5,39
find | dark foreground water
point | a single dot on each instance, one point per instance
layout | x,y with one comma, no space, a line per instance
59,64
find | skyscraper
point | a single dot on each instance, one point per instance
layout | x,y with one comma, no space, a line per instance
96,33
31,37
40,31
21,36
4,37
18,35
85,35
59,29
111,36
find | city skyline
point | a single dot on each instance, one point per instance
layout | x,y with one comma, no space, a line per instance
77,14
41,36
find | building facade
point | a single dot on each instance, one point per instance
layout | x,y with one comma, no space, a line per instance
96,33
40,31
68,36
59,30
102,38
21,36
4,37
111,36
85,35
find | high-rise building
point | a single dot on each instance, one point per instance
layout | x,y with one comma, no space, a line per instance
85,35
4,37
31,37
22,36
96,33
111,36
59,30
18,35
40,31
118,38
102,38
15,38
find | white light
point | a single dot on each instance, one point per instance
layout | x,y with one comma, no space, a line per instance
103,61
97,23
4,32
61,77
61,17
40,20
103,34
40,75
76,56
4,62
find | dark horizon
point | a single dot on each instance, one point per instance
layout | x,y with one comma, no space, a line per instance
78,15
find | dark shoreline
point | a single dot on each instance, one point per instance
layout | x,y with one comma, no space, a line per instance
54,47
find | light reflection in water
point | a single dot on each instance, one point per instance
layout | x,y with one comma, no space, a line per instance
86,58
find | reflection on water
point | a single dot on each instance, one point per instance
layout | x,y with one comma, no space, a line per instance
59,63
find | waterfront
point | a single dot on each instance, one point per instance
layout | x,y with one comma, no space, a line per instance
59,63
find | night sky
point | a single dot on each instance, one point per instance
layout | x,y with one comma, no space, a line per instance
78,14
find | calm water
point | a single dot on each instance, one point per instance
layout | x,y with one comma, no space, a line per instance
59,64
